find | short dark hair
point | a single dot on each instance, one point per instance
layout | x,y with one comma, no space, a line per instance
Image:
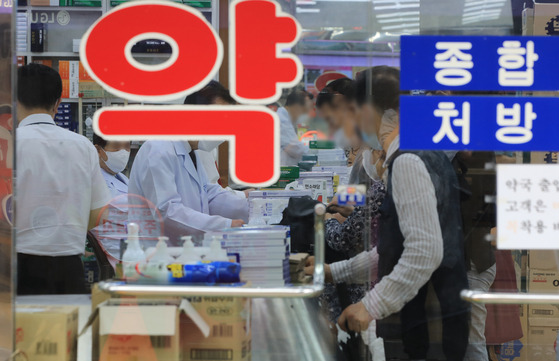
38,86
298,96
379,86
209,94
97,140
343,86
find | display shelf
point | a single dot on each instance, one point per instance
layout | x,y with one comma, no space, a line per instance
46,54
60,8
85,100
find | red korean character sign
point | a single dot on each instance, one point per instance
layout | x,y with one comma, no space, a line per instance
259,71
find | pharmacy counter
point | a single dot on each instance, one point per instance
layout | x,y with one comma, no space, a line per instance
282,329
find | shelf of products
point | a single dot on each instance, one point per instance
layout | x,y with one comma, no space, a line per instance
50,31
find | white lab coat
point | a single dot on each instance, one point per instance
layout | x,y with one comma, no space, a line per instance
210,166
292,149
113,228
164,174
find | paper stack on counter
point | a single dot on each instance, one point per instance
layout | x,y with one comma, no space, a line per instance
263,253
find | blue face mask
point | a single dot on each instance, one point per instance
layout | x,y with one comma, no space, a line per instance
371,140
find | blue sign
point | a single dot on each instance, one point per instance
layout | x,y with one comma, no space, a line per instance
479,63
505,123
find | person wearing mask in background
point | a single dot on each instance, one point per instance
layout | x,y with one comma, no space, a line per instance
60,189
420,236
336,104
113,159
213,93
297,107
171,175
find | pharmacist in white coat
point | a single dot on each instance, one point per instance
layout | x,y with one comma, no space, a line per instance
171,176
113,159
297,108
212,94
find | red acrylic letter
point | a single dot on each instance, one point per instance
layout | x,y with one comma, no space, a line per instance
258,68
196,57
252,132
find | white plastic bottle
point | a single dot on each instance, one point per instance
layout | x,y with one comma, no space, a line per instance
134,254
155,270
189,255
217,254
161,254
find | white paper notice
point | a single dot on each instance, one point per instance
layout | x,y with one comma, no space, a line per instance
527,206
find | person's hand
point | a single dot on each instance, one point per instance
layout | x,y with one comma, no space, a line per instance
344,211
309,270
338,217
237,223
355,318
247,191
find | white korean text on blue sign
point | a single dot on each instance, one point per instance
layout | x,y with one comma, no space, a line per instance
479,64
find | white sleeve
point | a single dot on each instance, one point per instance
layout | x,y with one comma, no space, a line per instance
359,269
100,195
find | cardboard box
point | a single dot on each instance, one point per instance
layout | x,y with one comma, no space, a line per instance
542,336
516,350
546,19
210,328
543,281
230,331
140,330
47,333
543,260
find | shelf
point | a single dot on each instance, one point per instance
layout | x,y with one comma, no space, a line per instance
66,54
60,8
85,100
77,55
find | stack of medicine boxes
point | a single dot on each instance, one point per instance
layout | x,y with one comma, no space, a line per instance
263,253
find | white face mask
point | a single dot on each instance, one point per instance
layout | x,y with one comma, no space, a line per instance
341,140
117,161
209,145
370,169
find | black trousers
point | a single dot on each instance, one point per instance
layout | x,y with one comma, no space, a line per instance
455,312
44,275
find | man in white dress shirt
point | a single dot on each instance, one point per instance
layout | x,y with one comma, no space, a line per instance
59,189
297,107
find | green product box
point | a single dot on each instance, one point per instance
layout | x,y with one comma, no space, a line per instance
88,3
322,144
306,165
290,173
280,184
310,158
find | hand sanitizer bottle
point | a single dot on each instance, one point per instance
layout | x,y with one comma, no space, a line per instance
133,254
161,254
217,254
188,255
